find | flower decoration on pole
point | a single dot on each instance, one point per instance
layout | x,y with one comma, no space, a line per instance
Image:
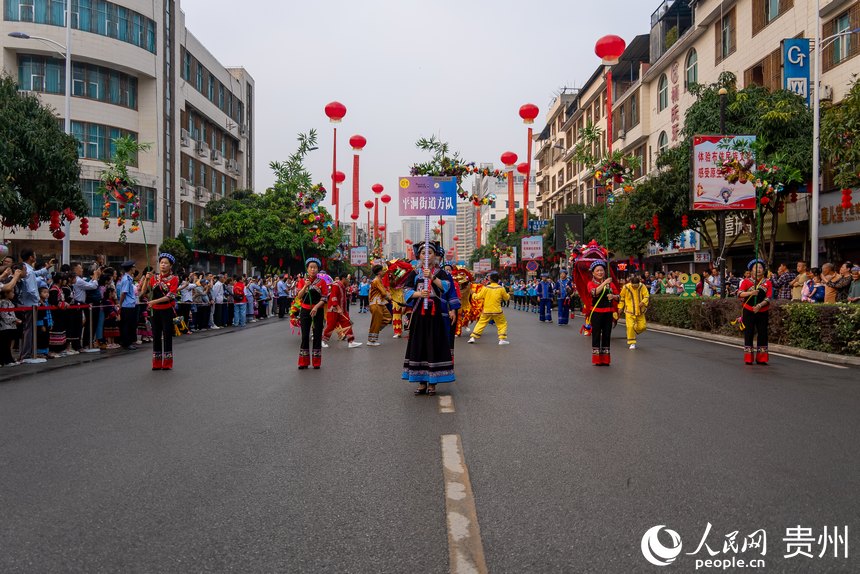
118,186
312,216
501,250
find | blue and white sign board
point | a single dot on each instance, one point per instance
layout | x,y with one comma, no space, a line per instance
796,66
536,225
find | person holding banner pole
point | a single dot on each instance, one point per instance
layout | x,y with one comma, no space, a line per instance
428,360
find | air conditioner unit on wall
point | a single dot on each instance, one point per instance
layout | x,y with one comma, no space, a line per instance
826,93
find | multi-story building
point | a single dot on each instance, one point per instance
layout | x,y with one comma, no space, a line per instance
137,71
466,230
693,42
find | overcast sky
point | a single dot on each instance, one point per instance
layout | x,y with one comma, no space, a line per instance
405,69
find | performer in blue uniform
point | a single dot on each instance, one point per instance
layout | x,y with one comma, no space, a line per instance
563,292
544,291
428,352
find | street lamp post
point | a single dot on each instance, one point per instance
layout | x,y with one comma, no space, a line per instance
66,52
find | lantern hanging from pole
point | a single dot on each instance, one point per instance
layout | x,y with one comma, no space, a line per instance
280,263
685,221
441,221
385,199
847,200
609,49
339,176
223,259
528,112
523,168
354,217
382,227
456,238
357,142
377,188
368,204
335,112
509,158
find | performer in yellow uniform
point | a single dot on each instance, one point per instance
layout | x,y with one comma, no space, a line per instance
634,302
492,296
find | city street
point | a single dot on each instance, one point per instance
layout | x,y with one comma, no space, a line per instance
238,462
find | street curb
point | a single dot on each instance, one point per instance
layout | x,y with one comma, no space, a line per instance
7,374
782,349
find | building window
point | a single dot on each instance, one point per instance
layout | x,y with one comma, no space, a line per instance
692,69
93,16
842,44
44,74
663,93
199,78
186,66
766,11
662,142
725,36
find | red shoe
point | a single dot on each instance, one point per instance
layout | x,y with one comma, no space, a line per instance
167,363
304,359
762,356
604,359
596,357
157,362
748,355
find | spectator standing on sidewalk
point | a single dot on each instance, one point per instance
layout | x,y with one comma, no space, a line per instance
798,281
813,289
281,290
854,289
217,295
782,282
239,317
841,282
128,307
8,328
28,296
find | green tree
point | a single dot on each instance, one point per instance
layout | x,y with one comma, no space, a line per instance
39,170
840,138
271,224
782,124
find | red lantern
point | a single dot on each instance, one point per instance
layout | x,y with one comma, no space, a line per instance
281,263
354,216
684,221
765,200
633,227
654,221
382,227
265,258
408,242
509,158
238,261
793,197
528,112
441,221
456,238
847,200
196,255
377,188
523,168
223,259
335,112
368,204
385,199
85,226
339,176
609,49
70,215
357,142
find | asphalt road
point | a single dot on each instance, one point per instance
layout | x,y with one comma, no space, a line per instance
238,462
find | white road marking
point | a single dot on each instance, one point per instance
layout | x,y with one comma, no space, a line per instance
446,404
732,345
465,549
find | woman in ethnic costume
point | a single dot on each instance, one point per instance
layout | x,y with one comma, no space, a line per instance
163,287
604,295
756,291
313,294
428,353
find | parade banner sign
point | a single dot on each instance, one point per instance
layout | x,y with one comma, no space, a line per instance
532,247
483,266
536,225
358,255
509,260
427,196
711,191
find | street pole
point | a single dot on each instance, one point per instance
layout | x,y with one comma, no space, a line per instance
816,141
721,215
67,241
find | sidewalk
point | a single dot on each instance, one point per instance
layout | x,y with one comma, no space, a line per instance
738,342
26,370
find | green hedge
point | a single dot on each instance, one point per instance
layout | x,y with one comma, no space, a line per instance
830,328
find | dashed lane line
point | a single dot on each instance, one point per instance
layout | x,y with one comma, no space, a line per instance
446,404
465,549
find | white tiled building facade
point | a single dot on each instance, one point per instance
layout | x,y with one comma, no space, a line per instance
136,70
